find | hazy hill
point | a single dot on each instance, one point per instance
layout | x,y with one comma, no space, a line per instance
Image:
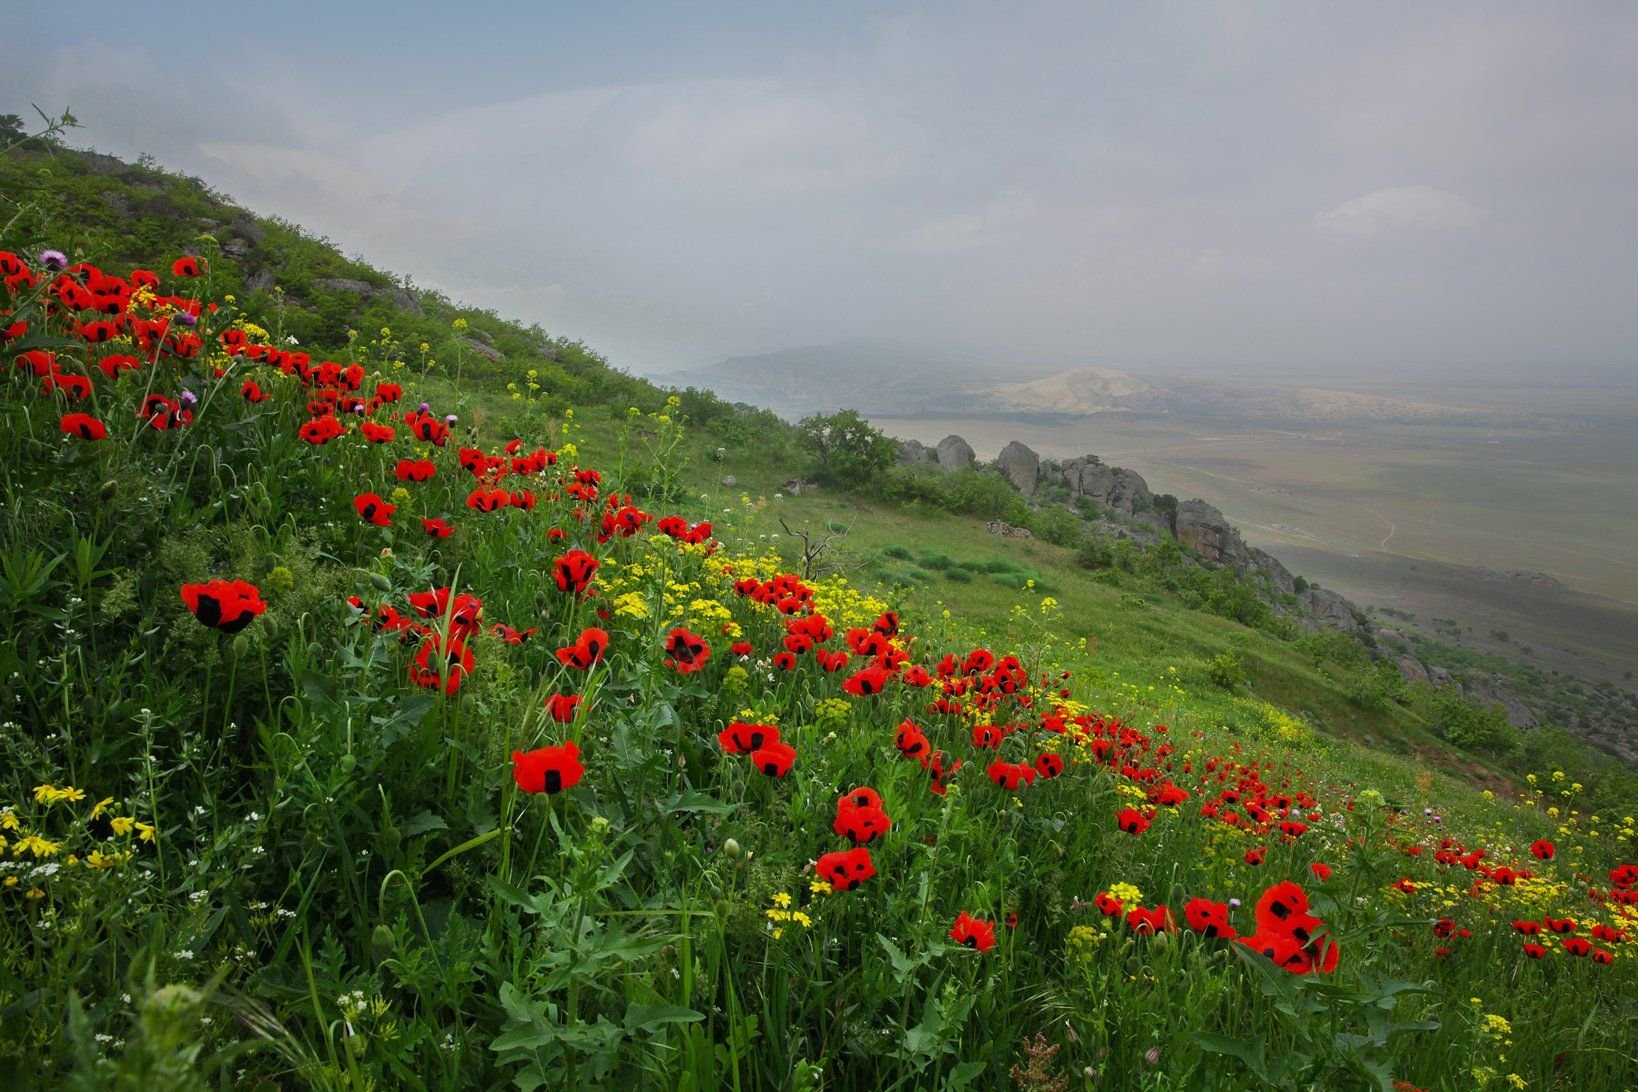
902,380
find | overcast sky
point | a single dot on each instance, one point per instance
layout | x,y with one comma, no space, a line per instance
1332,186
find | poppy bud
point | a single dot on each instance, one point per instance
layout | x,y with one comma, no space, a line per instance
390,838
1133,966
109,488
349,762
381,942
241,645
381,581
731,848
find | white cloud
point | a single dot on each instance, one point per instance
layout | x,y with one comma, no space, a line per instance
1397,209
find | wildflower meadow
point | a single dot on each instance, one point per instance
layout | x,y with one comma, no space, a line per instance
368,729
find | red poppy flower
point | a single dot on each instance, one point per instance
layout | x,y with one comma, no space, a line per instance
740,648
573,571
740,738
436,528
774,758
867,682
1322,872
488,500
225,605
414,470
84,426
1624,876
1602,955
188,267
1255,856
685,651
972,932
1576,946
1542,850
321,430
847,869
911,740
253,392
1011,776
548,769
1131,821
939,771
75,387
1107,904
784,661
587,650
1147,922
1209,918
372,509
511,635
561,707
377,434
442,664
164,413
988,735
1281,904
860,824
1535,951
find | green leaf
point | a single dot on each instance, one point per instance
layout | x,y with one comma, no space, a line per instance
423,823
651,1017
697,801
1248,1051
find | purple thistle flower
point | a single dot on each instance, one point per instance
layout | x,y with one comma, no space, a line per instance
53,259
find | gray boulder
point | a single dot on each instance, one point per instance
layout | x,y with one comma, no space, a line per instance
344,284
1414,670
1279,577
404,300
1204,530
243,227
954,453
1326,607
1020,466
1111,488
259,281
488,352
1491,691
913,452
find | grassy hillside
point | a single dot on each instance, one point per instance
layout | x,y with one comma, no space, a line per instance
347,745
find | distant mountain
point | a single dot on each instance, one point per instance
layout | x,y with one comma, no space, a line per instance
888,377
897,380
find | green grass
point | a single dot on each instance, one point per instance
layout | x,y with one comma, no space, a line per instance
327,869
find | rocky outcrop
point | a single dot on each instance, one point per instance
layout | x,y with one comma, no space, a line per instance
1331,609
916,453
488,352
1007,530
1111,488
1278,576
954,453
1489,690
401,298
1203,529
1020,466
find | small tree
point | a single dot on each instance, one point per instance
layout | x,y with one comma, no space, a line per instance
846,449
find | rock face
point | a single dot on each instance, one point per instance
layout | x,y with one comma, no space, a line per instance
259,281
345,284
401,298
1007,530
1330,609
1020,466
1203,529
954,453
914,453
488,352
1111,488
1279,577
1490,691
